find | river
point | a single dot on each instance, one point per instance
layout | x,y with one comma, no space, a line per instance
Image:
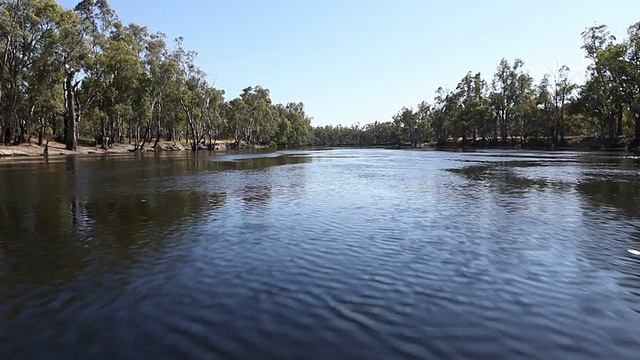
345,253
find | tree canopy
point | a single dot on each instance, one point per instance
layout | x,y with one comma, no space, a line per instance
81,72
512,109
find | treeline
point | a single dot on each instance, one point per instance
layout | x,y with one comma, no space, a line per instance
66,73
512,109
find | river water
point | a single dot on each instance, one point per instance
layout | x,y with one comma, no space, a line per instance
321,254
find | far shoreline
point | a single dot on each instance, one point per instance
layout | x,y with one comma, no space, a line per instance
30,151
587,144
56,150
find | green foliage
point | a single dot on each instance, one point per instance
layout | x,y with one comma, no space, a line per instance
511,109
273,145
82,72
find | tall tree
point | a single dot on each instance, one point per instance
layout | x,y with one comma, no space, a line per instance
632,88
504,96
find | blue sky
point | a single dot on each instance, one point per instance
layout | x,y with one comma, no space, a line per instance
362,60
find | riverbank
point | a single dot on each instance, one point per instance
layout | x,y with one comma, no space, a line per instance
571,143
86,148
574,143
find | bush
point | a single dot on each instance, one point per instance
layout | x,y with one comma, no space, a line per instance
272,144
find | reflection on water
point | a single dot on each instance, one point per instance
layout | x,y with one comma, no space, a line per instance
506,179
620,192
325,254
255,194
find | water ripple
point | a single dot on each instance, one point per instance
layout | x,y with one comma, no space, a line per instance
330,254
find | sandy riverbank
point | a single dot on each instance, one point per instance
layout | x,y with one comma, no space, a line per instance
58,149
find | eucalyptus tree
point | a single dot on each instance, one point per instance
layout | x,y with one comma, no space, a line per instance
504,96
29,32
75,50
214,122
632,88
161,74
82,72
473,107
191,95
237,115
440,112
43,97
602,95
285,128
122,82
40,96
424,116
544,125
514,107
258,121
524,108
298,123
561,90
406,123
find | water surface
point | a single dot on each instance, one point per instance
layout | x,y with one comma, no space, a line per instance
321,254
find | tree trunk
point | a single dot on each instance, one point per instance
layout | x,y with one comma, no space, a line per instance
41,132
190,123
561,128
503,127
54,126
619,124
158,133
636,118
65,128
144,139
71,140
612,128
5,136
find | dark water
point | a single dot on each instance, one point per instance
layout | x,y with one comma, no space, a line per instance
330,254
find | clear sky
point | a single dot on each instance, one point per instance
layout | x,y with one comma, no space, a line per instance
355,61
